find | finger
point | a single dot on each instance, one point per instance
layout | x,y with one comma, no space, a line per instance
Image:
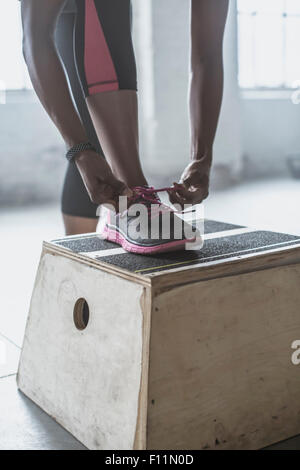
194,193
198,196
186,181
172,193
175,198
102,194
172,197
183,192
110,188
118,186
123,190
193,196
189,185
180,194
127,192
106,191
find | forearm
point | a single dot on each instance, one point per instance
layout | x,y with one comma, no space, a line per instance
206,84
206,91
48,76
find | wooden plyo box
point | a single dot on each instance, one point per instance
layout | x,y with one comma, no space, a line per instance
188,350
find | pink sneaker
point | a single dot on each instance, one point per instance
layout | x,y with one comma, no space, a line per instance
160,230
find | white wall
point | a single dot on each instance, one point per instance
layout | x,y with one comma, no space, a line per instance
270,132
228,143
163,92
254,135
165,142
31,153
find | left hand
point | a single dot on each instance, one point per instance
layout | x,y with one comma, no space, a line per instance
193,185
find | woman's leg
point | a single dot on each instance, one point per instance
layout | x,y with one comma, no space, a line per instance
79,212
106,65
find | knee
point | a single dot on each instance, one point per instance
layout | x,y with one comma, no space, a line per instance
34,43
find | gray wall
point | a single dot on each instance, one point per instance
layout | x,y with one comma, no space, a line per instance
31,152
270,132
254,135
165,129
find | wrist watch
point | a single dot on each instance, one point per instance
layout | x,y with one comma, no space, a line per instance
78,148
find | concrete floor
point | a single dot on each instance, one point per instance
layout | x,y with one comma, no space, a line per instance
272,205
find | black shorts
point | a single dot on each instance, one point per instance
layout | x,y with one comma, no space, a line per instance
96,48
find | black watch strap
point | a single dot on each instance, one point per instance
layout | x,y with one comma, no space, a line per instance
78,148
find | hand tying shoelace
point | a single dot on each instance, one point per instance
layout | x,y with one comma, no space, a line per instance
149,195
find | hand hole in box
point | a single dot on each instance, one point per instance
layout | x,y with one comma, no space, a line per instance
81,314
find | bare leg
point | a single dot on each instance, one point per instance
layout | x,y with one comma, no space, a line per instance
78,225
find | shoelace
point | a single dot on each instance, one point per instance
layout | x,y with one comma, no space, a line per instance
148,194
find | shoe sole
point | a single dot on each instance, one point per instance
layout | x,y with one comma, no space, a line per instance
116,237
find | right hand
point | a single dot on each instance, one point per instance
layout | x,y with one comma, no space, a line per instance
102,186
